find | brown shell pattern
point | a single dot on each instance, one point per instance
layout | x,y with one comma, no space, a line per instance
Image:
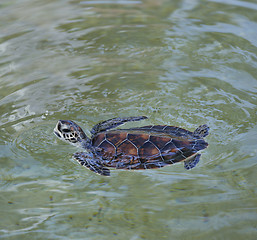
141,148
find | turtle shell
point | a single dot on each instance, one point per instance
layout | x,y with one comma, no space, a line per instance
146,147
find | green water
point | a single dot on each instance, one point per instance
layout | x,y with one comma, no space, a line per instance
179,62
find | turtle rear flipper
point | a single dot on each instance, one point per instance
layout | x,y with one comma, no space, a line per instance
191,162
202,131
94,165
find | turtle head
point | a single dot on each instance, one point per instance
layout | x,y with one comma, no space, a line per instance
69,131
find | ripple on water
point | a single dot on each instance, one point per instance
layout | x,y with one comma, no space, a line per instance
181,63
35,139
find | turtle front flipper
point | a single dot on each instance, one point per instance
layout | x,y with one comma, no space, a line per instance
85,160
191,162
114,122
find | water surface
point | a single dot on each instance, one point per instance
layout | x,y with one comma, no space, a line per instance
182,63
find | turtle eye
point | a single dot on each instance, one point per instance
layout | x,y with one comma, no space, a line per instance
66,130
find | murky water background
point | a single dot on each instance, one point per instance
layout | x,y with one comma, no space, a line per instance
181,63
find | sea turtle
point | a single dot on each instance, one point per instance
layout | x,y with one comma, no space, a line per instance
145,147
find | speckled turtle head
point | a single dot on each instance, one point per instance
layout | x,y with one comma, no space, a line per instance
70,132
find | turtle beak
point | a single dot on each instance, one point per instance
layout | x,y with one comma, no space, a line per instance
56,130
57,134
